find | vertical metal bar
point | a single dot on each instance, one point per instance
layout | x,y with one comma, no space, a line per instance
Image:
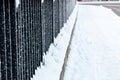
65,11
33,37
67,2
43,25
13,40
8,40
10,77
37,28
36,33
62,20
57,16
3,41
54,16
22,40
52,36
18,41
40,35
60,14
28,40
39,47
1,36
31,33
23,37
36,37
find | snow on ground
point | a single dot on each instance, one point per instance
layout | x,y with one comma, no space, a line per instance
95,47
56,53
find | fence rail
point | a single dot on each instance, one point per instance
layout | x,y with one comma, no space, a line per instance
26,32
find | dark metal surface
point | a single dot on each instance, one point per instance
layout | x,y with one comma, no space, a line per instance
56,27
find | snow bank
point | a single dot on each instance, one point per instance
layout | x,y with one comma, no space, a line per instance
55,55
95,48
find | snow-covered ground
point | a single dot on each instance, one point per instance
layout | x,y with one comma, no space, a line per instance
95,48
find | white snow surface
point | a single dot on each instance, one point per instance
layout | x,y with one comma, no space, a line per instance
94,51
54,57
95,47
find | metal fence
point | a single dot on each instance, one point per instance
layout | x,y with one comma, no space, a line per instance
26,32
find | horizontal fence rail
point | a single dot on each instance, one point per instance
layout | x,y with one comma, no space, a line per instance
26,31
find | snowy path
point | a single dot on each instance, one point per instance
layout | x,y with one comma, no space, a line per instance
95,47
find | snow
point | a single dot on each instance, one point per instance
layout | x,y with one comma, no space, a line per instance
55,55
95,47
94,51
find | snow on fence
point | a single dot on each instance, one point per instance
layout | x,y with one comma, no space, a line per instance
27,28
